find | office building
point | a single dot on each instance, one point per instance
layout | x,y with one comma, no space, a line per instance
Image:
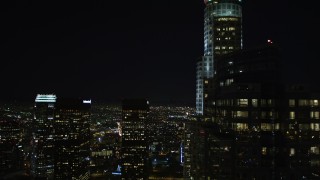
207,151
72,139
247,103
61,138
270,129
134,145
42,161
222,35
301,132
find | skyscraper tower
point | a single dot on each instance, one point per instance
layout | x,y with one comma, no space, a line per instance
72,139
222,35
134,145
61,138
42,160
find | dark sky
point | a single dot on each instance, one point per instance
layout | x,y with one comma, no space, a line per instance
109,50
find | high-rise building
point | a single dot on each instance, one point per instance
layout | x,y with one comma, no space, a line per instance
207,151
42,162
61,138
72,139
134,145
42,141
301,129
222,35
273,128
248,104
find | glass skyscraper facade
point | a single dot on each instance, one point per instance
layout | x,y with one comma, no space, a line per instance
222,35
43,133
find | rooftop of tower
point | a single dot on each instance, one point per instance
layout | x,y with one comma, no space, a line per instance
46,98
222,1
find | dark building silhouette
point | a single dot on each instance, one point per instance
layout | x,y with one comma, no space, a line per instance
259,126
300,128
134,145
207,151
247,97
11,150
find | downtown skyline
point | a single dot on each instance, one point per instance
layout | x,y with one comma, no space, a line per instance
113,50
220,91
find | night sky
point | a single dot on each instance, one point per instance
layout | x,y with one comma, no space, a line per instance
109,50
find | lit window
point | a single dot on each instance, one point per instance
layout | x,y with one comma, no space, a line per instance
229,82
264,126
314,150
314,102
314,114
243,102
240,126
314,126
292,115
292,152
264,151
254,102
241,114
292,102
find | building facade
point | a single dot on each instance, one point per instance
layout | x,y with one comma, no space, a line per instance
222,35
42,161
134,145
247,103
61,138
72,139
272,127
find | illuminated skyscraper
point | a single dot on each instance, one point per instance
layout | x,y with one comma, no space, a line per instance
61,138
134,145
222,35
72,139
42,142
